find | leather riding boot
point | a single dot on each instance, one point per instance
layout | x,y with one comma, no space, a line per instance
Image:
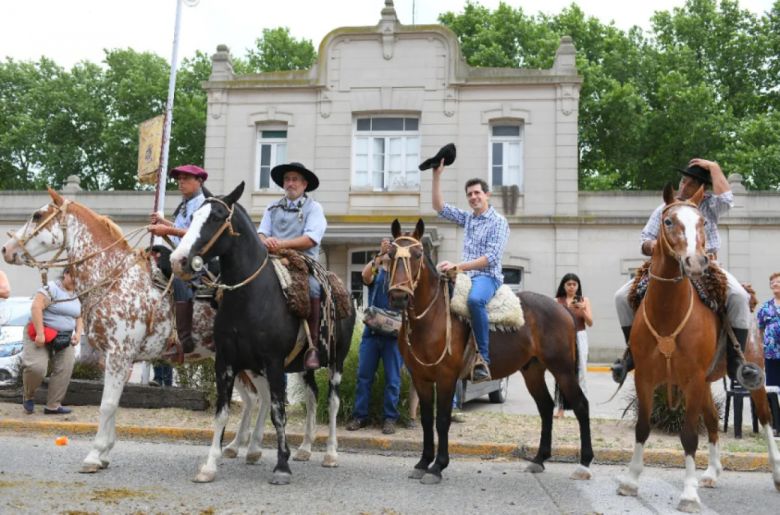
311,360
623,366
184,325
747,374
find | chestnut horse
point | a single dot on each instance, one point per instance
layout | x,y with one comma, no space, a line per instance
433,345
673,341
127,318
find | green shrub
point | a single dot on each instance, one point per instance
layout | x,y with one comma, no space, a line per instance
666,419
348,383
200,376
87,369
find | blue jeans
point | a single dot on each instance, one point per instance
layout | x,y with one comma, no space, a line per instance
372,348
163,374
482,290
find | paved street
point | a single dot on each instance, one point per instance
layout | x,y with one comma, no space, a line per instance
38,477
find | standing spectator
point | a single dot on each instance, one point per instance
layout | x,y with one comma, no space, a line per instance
163,374
374,346
569,295
769,328
57,309
5,292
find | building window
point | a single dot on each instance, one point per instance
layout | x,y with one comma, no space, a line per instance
506,155
357,261
386,153
513,277
271,151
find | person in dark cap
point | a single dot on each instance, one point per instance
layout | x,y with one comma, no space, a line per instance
190,179
297,222
484,239
699,172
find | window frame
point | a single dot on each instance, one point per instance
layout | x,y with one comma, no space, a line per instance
505,140
274,161
387,135
352,267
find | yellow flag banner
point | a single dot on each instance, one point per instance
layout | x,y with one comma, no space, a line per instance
149,149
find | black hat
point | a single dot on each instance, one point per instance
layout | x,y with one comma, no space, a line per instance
277,174
447,152
698,173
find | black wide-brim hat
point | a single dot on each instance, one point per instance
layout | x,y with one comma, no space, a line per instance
277,174
697,172
447,152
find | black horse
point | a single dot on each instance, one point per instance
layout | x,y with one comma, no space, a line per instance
253,330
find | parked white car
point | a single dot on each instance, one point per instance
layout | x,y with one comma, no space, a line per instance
11,337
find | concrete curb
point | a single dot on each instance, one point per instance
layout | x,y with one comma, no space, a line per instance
737,461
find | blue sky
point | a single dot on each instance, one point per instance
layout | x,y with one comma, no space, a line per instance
74,30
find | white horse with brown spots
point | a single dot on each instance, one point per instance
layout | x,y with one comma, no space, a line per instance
127,318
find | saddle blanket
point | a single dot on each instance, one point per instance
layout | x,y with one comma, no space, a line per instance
711,288
505,313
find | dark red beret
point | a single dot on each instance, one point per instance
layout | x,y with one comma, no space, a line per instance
195,171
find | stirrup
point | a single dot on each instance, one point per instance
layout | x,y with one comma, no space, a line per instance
480,372
750,375
311,360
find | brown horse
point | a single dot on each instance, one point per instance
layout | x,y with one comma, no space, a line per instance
673,340
434,347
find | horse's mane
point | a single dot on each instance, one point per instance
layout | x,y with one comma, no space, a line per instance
248,219
99,223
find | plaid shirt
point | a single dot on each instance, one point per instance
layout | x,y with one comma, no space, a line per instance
486,235
711,208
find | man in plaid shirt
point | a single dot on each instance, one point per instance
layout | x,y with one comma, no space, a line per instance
483,245
718,202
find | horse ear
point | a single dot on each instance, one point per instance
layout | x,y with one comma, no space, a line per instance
698,196
56,197
668,193
232,197
419,229
395,228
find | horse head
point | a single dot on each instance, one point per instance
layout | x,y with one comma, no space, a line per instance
407,260
43,232
205,237
682,232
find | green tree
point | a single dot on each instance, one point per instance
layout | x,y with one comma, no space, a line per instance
277,50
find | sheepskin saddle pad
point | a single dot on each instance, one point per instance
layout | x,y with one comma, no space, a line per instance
505,313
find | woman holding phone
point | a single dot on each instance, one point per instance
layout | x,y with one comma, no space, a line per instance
570,296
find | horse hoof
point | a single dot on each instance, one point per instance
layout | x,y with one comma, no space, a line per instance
204,477
534,468
581,473
253,457
229,452
628,490
103,464
416,474
430,479
302,455
707,482
689,506
281,478
329,461
89,468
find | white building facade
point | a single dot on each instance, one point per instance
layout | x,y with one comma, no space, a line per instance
383,98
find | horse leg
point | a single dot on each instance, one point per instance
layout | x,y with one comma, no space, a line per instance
282,473
255,452
714,467
689,436
764,416
533,375
334,402
242,435
444,397
225,379
114,383
304,451
425,394
570,387
629,483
